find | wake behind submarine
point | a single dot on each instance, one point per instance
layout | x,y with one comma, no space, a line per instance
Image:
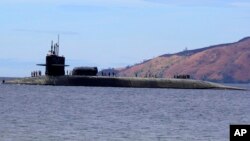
87,76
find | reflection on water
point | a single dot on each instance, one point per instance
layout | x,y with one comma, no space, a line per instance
34,113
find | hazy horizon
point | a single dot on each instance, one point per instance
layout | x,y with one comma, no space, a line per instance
113,33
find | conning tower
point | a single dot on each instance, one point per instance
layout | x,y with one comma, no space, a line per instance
55,64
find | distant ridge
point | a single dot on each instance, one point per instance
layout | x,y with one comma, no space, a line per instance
227,63
205,48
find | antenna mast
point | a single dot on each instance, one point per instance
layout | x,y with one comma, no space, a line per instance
51,51
58,44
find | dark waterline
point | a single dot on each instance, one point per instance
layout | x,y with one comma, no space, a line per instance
93,113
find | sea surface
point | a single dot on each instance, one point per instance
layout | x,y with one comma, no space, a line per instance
57,113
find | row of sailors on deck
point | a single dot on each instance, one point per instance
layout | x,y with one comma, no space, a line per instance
36,73
39,73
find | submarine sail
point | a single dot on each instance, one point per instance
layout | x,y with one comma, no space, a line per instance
55,64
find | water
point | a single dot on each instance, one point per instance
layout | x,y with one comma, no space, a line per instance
51,113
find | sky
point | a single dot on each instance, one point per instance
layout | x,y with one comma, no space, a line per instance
113,33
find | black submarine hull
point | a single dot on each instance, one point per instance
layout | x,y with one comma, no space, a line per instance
132,82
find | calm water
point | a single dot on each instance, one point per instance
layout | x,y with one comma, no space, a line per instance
51,113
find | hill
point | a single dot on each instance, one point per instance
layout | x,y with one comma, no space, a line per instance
228,63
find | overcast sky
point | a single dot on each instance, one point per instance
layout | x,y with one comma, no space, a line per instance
113,33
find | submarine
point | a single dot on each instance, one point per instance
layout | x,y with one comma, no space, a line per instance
87,76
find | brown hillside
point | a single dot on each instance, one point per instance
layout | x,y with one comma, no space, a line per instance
221,63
